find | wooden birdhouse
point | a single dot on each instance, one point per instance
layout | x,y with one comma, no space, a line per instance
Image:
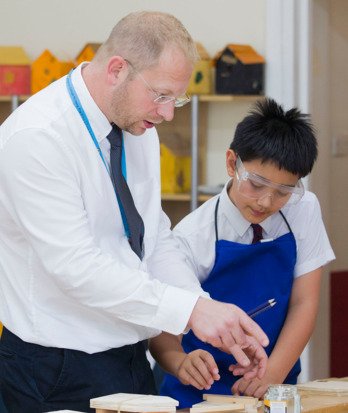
239,70
46,69
200,82
66,66
87,53
14,71
175,164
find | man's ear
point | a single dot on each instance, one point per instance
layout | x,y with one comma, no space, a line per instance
117,70
231,159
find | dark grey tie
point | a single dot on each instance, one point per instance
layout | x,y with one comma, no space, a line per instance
257,233
128,210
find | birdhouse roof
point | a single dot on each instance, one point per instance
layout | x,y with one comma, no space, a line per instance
243,52
45,55
203,54
13,55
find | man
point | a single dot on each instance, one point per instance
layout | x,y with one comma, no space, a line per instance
88,270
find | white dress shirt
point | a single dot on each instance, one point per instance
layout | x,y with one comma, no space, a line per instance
68,277
196,232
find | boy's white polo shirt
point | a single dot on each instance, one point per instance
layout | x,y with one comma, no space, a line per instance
196,232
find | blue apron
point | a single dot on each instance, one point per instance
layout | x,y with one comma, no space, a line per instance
263,270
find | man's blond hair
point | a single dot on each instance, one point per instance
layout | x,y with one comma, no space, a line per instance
141,37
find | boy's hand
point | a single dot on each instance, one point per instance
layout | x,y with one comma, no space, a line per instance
255,387
198,369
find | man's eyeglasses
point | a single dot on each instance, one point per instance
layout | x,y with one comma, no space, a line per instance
163,99
254,186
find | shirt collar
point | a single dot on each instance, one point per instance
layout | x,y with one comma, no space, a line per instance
235,218
99,122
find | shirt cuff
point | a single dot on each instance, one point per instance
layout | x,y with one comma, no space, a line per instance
175,310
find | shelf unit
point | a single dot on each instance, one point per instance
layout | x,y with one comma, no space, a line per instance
190,122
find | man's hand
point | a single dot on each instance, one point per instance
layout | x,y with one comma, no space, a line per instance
228,327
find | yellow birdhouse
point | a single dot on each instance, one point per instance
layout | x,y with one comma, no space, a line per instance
201,78
175,165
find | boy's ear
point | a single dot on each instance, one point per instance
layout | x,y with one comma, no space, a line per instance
231,159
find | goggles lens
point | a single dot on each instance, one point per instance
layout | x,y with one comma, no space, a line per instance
255,187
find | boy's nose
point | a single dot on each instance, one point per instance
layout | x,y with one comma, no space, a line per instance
265,200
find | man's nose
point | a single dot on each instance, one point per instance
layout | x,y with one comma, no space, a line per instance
166,111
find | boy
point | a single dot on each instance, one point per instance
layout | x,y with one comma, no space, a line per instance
262,237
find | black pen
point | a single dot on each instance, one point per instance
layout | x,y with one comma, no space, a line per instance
261,308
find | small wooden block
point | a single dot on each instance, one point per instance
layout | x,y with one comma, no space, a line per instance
206,406
224,398
112,411
105,411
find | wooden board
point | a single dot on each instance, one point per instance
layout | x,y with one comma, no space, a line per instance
325,387
324,404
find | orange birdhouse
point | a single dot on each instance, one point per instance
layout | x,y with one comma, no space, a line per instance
87,53
46,69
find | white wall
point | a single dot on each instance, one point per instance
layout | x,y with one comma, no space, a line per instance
338,103
64,27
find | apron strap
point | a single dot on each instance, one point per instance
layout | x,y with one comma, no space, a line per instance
286,222
215,220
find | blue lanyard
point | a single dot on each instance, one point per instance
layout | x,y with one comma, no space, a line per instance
77,103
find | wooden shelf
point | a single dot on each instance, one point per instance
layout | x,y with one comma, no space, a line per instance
184,197
229,98
177,206
21,98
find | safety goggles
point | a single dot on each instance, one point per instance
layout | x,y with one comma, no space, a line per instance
254,186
